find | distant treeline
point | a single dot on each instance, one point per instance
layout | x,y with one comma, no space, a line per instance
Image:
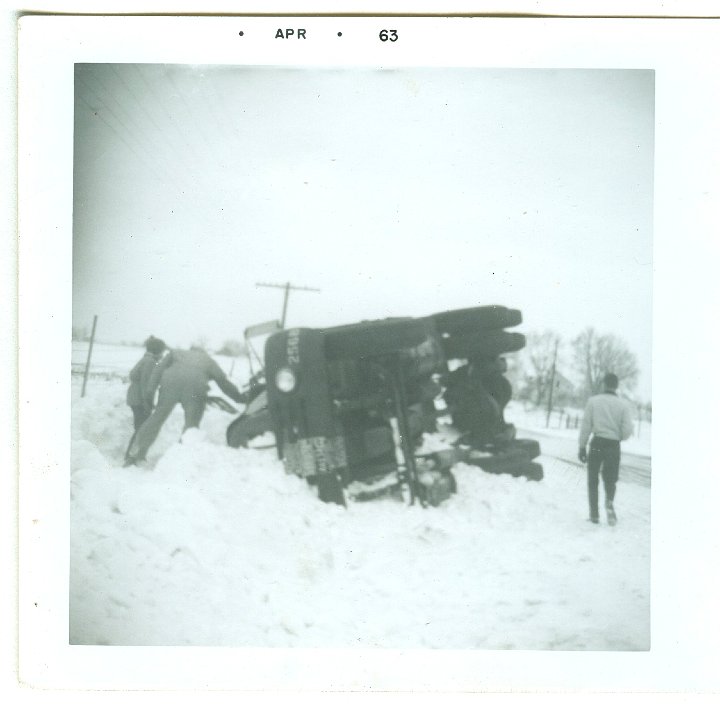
575,368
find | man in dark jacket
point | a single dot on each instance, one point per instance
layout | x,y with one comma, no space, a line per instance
138,391
609,420
183,377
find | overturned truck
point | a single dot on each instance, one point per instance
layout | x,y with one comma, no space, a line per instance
349,405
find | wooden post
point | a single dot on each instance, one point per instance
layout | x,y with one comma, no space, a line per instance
90,349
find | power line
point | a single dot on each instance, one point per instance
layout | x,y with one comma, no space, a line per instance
179,153
144,149
100,114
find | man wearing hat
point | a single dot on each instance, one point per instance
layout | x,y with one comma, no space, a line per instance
140,380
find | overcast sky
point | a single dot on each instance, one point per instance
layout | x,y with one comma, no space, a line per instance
395,192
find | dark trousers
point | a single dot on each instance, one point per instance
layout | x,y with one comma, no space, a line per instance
140,415
171,393
604,458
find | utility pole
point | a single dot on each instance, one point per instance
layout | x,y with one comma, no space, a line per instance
552,386
288,287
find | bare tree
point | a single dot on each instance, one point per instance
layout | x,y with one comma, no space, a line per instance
540,355
596,355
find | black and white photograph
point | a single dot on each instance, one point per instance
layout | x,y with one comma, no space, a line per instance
362,353
403,286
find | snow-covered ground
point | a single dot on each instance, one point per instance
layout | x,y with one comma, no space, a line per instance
208,545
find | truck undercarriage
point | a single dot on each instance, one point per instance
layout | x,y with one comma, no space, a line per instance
349,406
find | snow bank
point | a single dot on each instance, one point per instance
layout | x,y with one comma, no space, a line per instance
208,545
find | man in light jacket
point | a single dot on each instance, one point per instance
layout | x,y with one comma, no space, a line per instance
608,419
183,377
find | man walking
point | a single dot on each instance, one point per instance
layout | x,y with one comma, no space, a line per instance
607,418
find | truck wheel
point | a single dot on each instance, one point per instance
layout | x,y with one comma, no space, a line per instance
235,434
378,337
510,461
530,447
499,388
491,366
533,471
247,427
505,436
490,343
480,318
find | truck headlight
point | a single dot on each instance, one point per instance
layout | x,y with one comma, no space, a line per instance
285,380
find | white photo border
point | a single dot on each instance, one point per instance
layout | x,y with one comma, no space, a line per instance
682,53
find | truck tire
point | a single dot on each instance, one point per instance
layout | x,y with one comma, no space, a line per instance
499,388
492,365
504,436
479,416
490,343
377,338
247,427
465,320
501,463
534,472
530,447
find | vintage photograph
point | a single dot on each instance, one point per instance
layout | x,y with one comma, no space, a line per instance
361,357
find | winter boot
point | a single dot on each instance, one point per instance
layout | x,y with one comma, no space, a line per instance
610,510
